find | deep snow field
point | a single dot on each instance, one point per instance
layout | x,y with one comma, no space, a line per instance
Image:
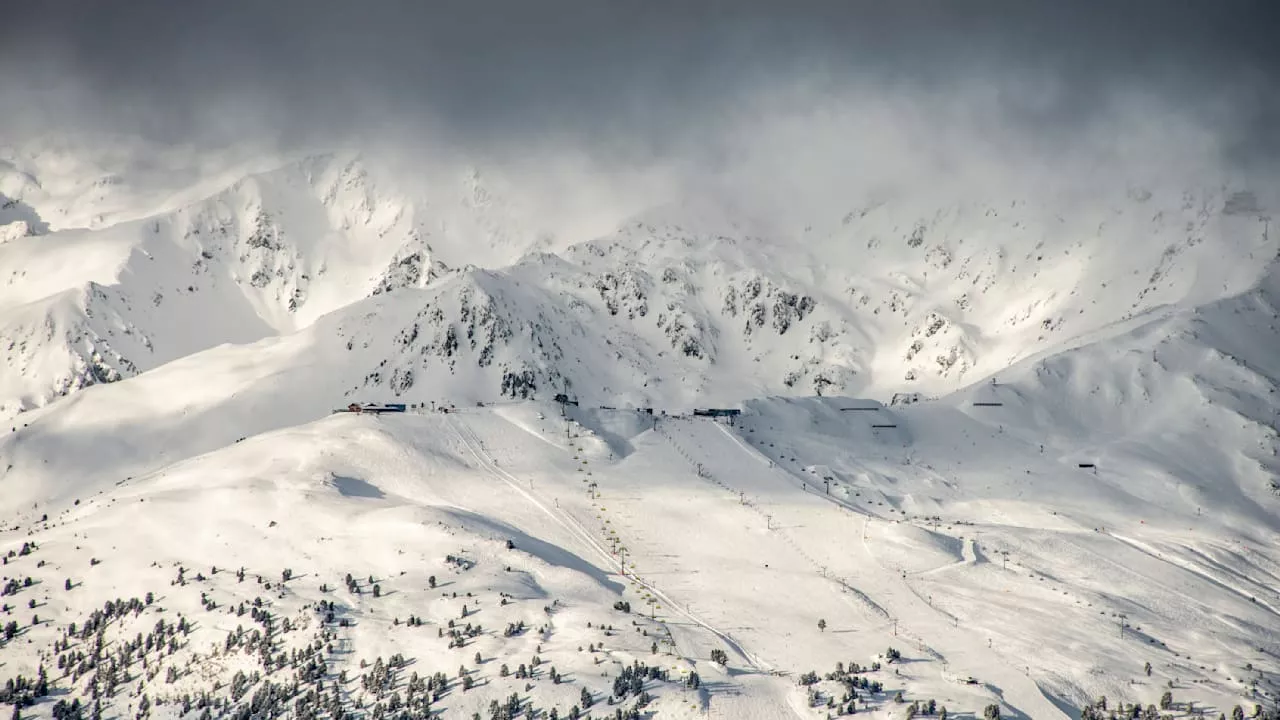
963,547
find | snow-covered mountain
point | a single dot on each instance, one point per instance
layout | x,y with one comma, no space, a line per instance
696,301
964,423
265,255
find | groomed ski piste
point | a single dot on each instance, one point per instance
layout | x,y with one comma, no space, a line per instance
1000,574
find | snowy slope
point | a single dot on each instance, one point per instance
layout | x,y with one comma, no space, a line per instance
729,539
177,334
267,254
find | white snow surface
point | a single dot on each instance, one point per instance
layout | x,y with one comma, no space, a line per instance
1028,442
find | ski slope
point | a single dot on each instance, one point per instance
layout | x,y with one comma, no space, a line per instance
1028,443
718,537
819,528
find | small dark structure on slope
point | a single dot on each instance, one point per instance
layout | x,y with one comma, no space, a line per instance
373,408
717,412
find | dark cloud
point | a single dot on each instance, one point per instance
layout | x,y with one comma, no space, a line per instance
656,77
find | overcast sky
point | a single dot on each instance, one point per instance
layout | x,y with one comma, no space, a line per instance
651,78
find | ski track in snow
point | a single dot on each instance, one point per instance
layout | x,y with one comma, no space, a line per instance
1194,570
475,446
917,620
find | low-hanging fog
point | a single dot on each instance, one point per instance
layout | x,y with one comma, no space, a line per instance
589,112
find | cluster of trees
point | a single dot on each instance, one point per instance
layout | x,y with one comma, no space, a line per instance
74,710
21,692
852,677
1258,712
27,549
112,610
145,670
459,562
107,669
458,636
526,672
353,585
928,708
85,650
14,586
1100,709
631,682
514,707
508,710
309,692
381,678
